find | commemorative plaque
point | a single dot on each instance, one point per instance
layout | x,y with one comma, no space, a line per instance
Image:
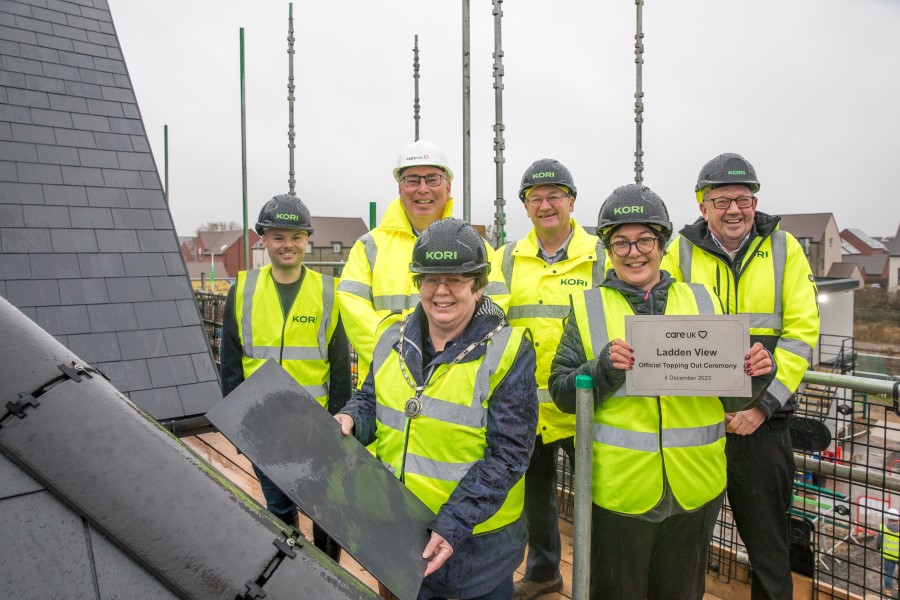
688,355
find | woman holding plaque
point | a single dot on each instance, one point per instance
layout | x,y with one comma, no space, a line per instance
451,404
658,462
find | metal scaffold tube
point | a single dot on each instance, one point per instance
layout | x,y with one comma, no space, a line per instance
584,437
291,145
499,144
467,117
245,259
416,84
639,96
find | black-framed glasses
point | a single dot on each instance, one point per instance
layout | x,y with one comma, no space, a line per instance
724,203
553,199
643,244
453,282
413,181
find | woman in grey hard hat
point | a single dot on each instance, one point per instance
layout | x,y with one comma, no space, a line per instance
451,405
658,462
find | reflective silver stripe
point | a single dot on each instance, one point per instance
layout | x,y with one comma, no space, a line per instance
704,301
468,416
597,273
506,267
384,346
779,263
779,391
327,308
688,437
544,396
685,256
496,288
356,288
594,304
316,391
371,249
495,349
398,302
764,320
286,353
436,469
538,311
798,347
622,438
389,417
250,280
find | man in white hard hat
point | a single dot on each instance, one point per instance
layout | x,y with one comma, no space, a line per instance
376,281
889,543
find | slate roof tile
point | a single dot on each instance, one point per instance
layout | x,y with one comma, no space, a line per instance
142,344
38,173
15,266
69,195
94,218
157,314
56,155
54,266
112,317
83,291
102,265
74,240
38,134
128,289
63,320
33,292
24,240
46,216
45,84
95,347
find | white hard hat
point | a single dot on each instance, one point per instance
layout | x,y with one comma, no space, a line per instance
893,514
422,153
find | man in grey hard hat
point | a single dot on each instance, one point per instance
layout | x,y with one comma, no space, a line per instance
270,308
532,279
757,269
376,281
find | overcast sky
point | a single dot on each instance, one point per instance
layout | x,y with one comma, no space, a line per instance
807,90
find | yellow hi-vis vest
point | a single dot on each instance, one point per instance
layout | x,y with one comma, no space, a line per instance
536,295
433,451
300,342
890,543
774,286
376,281
642,444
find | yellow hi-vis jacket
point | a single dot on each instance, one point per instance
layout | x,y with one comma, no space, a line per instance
376,281
536,295
890,543
300,342
646,445
433,451
773,284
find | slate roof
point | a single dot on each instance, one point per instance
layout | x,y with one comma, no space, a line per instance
864,237
88,249
806,225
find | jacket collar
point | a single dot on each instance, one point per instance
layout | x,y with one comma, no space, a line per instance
394,218
581,243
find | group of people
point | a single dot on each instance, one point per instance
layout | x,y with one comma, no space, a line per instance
467,359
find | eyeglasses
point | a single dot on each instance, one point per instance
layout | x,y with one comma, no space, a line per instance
644,245
413,181
454,283
724,203
553,199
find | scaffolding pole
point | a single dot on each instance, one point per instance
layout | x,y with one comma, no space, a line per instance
416,104
467,116
499,144
292,182
639,96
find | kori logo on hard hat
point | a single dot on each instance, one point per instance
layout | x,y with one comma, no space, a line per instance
628,210
737,172
441,255
287,217
543,175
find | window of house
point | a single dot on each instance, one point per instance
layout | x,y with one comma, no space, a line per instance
337,247
309,246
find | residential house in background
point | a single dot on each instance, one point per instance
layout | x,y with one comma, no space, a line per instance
222,249
893,251
330,242
820,238
862,243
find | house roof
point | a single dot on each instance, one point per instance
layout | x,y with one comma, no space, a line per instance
848,248
893,247
844,270
809,225
214,240
871,265
864,238
327,230
199,269
89,249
